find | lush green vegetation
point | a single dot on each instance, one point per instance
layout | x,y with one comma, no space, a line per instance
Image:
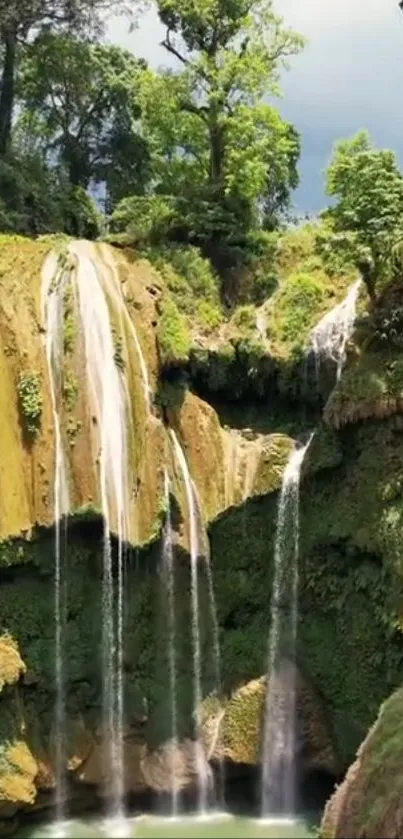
30,401
366,222
190,164
173,336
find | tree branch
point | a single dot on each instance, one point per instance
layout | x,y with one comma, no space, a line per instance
166,43
199,110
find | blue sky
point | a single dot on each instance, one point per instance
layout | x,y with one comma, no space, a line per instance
349,76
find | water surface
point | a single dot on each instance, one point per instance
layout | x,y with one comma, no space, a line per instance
221,826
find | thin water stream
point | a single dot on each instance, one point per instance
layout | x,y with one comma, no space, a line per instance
201,768
278,755
54,282
168,564
330,336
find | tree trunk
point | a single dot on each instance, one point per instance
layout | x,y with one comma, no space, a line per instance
9,38
216,151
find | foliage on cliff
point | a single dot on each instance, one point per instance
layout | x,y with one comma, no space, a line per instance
368,802
367,219
372,383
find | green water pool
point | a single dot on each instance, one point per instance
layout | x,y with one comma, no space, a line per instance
219,826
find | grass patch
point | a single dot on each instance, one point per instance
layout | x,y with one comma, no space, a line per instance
192,283
172,334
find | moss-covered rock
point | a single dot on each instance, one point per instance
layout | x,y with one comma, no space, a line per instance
17,776
237,734
369,802
11,663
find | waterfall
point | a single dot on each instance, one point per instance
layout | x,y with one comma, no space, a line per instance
330,336
54,284
115,289
199,545
202,779
168,566
278,757
109,395
216,638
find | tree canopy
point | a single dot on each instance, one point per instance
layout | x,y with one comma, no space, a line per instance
366,221
19,20
80,109
197,154
220,154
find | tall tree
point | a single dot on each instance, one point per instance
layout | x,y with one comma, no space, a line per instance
22,19
80,100
366,221
215,141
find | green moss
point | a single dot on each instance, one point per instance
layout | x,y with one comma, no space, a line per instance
69,324
11,664
192,284
30,402
70,390
272,462
371,387
295,247
242,724
244,319
13,552
368,802
172,333
209,315
381,764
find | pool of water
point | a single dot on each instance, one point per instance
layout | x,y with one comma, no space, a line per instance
214,826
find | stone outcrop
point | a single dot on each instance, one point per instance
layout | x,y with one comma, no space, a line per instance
368,803
240,733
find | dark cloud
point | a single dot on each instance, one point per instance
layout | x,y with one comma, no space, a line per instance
350,76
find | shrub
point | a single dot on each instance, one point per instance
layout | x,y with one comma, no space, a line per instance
142,219
191,280
297,303
244,318
173,335
70,390
209,315
30,401
386,326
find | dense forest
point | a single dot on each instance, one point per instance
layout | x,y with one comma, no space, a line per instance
94,142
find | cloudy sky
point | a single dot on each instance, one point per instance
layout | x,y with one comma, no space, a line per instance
349,76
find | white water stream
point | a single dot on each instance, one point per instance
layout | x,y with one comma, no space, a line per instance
54,282
168,563
109,398
201,768
278,757
330,336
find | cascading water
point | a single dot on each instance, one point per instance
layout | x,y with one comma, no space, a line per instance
202,775
215,632
115,289
199,545
278,757
330,336
170,585
109,396
54,282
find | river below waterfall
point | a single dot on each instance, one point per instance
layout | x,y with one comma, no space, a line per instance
152,827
